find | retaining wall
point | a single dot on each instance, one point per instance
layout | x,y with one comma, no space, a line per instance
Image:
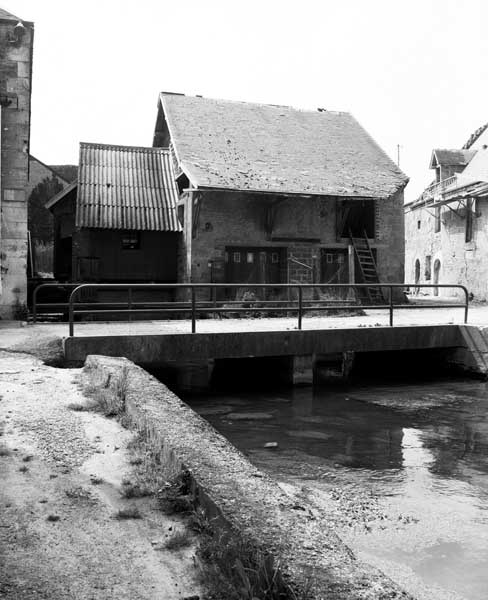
238,496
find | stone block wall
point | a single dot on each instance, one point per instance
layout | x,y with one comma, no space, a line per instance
460,262
300,225
15,98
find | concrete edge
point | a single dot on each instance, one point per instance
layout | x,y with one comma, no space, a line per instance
235,495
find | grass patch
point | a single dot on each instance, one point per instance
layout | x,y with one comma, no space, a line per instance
78,493
108,399
94,480
135,490
4,451
23,469
234,569
179,539
28,458
131,512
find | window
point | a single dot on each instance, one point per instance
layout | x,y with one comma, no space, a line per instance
237,257
329,258
437,221
181,214
275,257
250,257
469,220
131,240
428,268
418,224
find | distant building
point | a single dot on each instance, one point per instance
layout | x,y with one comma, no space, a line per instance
447,227
16,47
117,221
44,182
272,194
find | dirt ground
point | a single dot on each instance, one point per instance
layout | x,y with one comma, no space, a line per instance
61,473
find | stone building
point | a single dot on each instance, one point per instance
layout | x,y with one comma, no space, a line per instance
273,194
16,47
447,226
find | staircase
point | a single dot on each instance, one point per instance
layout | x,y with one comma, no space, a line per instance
369,273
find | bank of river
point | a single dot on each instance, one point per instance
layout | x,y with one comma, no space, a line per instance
400,470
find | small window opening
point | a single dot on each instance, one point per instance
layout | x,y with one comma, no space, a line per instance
357,218
237,257
428,267
437,219
131,240
418,224
469,220
275,257
250,257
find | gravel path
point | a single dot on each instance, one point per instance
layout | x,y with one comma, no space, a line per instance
58,535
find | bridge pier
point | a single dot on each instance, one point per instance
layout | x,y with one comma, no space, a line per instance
195,376
302,369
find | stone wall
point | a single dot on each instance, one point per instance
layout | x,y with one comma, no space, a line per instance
239,500
303,226
460,262
15,96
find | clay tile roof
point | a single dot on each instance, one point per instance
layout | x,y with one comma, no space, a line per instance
126,187
452,157
277,149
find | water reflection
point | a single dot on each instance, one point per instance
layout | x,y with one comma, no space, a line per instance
414,457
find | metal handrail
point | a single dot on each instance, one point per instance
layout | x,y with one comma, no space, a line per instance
298,305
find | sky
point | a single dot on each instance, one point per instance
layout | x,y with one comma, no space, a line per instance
413,72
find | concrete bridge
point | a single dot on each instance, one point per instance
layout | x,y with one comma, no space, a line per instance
306,355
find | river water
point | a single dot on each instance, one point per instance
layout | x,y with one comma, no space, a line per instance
400,470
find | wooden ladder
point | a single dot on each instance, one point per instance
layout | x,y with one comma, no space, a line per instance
369,272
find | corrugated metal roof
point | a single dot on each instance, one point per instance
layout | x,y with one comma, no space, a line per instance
126,187
277,149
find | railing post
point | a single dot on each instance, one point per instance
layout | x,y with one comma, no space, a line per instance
71,313
129,302
34,306
391,305
193,315
300,306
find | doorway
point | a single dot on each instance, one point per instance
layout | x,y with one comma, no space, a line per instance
437,269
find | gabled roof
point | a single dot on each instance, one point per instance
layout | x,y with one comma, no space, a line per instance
6,16
450,158
476,171
54,170
276,149
124,187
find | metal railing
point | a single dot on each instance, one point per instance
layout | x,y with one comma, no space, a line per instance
195,306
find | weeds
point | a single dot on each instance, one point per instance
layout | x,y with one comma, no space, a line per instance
235,569
131,512
4,451
78,493
176,495
23,469
179,539
135,490
94,480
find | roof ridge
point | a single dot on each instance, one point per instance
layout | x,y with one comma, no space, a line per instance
123,147
474,136
289,106
8,16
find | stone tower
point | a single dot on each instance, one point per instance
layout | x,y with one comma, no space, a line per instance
16,45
